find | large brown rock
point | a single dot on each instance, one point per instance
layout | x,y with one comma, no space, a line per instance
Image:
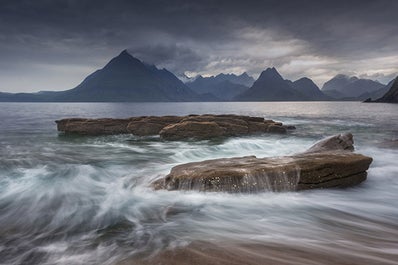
206,126
151,125
93,126
276,129
192,129
325,165
174,127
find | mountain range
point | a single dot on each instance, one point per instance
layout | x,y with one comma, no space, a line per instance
223,86
124,78
127,79
271,86
346,87
378,93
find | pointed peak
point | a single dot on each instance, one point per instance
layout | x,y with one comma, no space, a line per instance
228,75
271,70
304,79
221,75
125,53
270,73
124,59
244,74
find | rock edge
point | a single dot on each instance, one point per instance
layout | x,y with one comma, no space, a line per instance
205,126
329,163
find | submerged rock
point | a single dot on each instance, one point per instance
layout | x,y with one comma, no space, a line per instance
174,127
329,163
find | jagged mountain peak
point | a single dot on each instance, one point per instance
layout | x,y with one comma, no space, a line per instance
124,60
125,53
270,73
126,56
126,78
270,86
244,74
304,80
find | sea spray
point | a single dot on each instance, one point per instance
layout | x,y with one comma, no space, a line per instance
82,200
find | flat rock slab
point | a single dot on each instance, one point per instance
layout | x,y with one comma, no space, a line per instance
328,164
174,127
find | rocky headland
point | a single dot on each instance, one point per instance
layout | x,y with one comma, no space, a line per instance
327,164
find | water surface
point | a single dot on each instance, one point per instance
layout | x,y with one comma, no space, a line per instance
86,200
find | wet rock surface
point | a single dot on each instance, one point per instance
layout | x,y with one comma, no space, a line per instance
339,142
174,127
329,163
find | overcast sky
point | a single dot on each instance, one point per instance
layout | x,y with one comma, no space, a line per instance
53,45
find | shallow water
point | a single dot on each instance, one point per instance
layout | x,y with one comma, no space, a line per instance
86,200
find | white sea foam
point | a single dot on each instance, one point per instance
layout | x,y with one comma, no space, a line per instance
87,200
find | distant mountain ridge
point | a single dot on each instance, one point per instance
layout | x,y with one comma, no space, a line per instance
127,79
124,78
222,86
242,79
378,93
270,86
308,88
391,96
342,86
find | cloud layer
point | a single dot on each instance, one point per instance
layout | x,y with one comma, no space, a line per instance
54,44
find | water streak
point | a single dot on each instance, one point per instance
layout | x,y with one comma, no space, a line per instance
87,200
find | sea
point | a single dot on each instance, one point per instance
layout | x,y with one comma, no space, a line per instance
88,200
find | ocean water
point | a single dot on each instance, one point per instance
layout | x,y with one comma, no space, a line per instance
87,200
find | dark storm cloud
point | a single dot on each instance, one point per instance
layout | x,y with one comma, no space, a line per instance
53,44
171,56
